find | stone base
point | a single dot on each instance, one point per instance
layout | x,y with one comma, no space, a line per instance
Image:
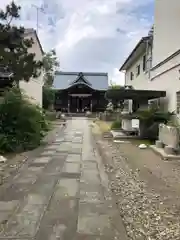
159,144
163,154
169,150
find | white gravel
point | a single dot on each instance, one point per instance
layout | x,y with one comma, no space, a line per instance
145,215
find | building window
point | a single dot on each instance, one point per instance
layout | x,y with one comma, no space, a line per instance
138,70
178,102
131,76
144,63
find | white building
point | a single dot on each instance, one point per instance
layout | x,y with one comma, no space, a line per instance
33,88
154,64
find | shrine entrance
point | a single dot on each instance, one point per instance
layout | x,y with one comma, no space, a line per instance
79,97
80,103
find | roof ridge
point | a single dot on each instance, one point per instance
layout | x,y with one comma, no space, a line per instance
84,73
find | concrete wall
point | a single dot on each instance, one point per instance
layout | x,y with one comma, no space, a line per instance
33,88
166,29
166,78
141,81
166,41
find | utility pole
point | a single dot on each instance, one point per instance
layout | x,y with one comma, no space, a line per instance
37,16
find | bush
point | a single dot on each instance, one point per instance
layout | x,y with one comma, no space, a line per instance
51,115
48,97
22,124
154,116
116,125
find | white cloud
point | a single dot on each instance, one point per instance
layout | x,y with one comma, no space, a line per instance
89,35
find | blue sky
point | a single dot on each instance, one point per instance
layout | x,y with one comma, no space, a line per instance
89,35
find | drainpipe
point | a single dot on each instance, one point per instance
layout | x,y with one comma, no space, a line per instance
149,45
147,58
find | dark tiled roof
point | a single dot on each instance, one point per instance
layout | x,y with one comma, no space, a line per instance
98,81
123,93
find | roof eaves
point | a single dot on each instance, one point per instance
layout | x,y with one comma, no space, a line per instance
142,40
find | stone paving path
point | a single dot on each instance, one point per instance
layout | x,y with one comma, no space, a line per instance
62,194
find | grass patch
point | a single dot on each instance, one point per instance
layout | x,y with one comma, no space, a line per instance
104,126
141,141
116,125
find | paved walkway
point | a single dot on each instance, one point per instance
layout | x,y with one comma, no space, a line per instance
62,194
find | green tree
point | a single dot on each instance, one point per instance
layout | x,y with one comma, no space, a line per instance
48,97
50,64
14,54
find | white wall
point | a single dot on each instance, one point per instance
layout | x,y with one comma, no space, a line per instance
166,29
167,77
33,88
139,82
166,41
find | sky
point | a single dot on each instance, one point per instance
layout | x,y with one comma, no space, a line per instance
89,35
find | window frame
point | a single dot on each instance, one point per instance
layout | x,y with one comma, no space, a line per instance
144,63
138,70
131,76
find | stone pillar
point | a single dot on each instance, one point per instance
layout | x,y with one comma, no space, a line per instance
68,105
127,124
169,150
91,106
159,144
126,107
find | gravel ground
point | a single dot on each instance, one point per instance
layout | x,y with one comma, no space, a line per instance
147,191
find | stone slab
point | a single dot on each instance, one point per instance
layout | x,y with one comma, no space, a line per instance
57,231
36,169
71,167
67,188
77,140
48,152
8,206
51,148
71,175
90,176
81,236
88,155
59,140
60,212
44,186
161,153
25,223
101,208
91,165
64,147
16,191
93,224
4,216
73,158
75,150
35,199
42,160
90,187
90,197
26,180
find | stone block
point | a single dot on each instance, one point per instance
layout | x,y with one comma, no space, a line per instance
159,144
127,124
169,135
168,150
